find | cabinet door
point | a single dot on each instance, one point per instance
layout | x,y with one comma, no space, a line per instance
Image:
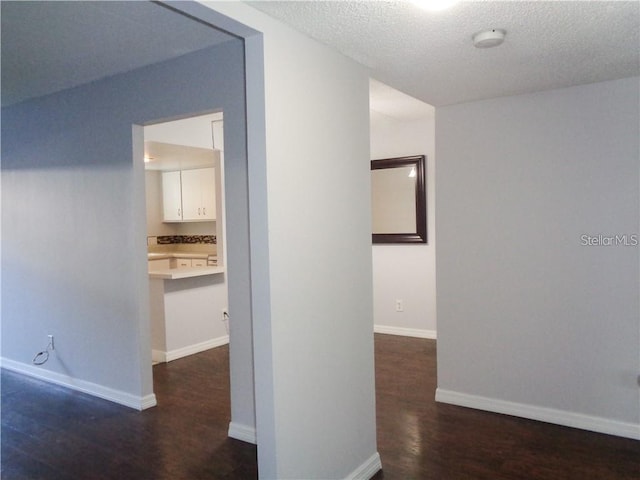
191,195
183,262
161,264
171,197
208,185
198,194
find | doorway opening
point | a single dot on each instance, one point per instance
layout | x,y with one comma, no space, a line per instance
404,275
185,228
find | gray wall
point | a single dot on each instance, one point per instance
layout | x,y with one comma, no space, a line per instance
308,152
73,260
529,318
313,339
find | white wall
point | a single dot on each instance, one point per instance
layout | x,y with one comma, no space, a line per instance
186,316
530,321
406,272
314,345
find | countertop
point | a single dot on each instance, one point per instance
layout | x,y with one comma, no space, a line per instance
160,256
176,273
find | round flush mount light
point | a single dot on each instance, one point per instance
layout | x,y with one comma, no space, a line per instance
489,38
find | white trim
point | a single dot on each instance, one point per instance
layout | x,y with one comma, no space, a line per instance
160,356
117,396
406,332
367,470
148,401
243,432
543,414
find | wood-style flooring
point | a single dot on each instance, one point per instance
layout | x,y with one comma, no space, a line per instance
53,433
421,439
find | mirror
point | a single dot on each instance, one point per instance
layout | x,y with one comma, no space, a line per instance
398,200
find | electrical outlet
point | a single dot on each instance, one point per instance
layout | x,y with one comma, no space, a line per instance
399,306
51,344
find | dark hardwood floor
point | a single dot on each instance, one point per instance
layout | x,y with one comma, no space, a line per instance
421,439
52,433
49,432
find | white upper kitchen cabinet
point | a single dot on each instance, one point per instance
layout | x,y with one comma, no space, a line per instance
208,183
198,195
171,197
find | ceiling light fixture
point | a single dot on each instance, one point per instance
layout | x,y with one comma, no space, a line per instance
489,38
434,5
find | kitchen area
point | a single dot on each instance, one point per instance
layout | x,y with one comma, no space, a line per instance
184,168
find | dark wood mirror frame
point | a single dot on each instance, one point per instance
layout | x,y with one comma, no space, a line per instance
420,233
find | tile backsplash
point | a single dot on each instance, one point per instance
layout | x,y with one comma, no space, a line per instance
182,243
190,239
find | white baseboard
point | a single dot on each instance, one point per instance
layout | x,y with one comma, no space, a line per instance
364,472
160,356
406,332
242,432
543,414
148,401
117,396
367,470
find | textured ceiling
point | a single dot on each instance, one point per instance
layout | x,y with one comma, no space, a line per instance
386,103
49,46
430,55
